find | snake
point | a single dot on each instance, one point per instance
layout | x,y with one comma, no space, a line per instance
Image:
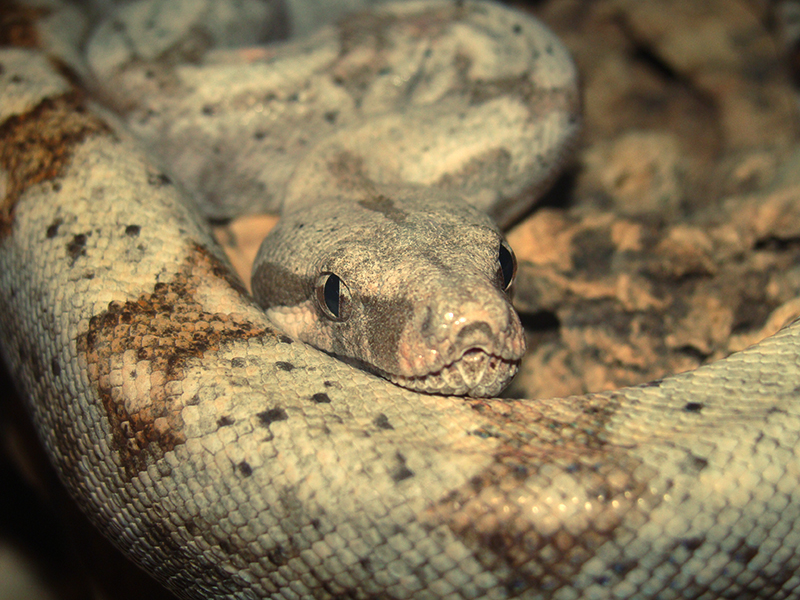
231,459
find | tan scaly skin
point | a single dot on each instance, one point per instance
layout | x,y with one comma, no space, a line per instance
232,461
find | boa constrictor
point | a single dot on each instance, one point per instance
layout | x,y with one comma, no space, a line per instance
232,461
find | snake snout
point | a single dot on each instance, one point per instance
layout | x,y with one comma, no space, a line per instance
470,349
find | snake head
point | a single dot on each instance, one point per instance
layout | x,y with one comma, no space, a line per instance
412,289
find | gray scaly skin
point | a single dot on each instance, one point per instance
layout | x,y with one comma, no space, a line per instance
231,461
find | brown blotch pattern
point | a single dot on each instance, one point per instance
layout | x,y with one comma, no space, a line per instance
37,146
385,206
18,25
368,30
490,168
166,329
274,285
384,326
497,512
347,170
539,102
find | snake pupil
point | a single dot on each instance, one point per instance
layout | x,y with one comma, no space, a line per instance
508,265
332,294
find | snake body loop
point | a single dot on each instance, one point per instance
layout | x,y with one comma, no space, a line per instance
232,461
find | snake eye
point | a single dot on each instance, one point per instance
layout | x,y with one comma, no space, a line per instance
333,297
508,265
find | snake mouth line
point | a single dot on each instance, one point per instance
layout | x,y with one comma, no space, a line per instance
476,373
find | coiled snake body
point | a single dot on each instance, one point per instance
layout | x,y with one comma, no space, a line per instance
232,461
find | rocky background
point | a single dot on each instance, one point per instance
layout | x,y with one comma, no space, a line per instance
675,239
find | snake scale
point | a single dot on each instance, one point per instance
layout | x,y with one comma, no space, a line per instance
232,461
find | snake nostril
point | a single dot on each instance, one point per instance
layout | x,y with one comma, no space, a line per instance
474,355
475,331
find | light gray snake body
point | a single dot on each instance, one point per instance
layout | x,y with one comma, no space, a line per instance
231,461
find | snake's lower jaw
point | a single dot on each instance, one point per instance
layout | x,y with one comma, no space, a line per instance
477,374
